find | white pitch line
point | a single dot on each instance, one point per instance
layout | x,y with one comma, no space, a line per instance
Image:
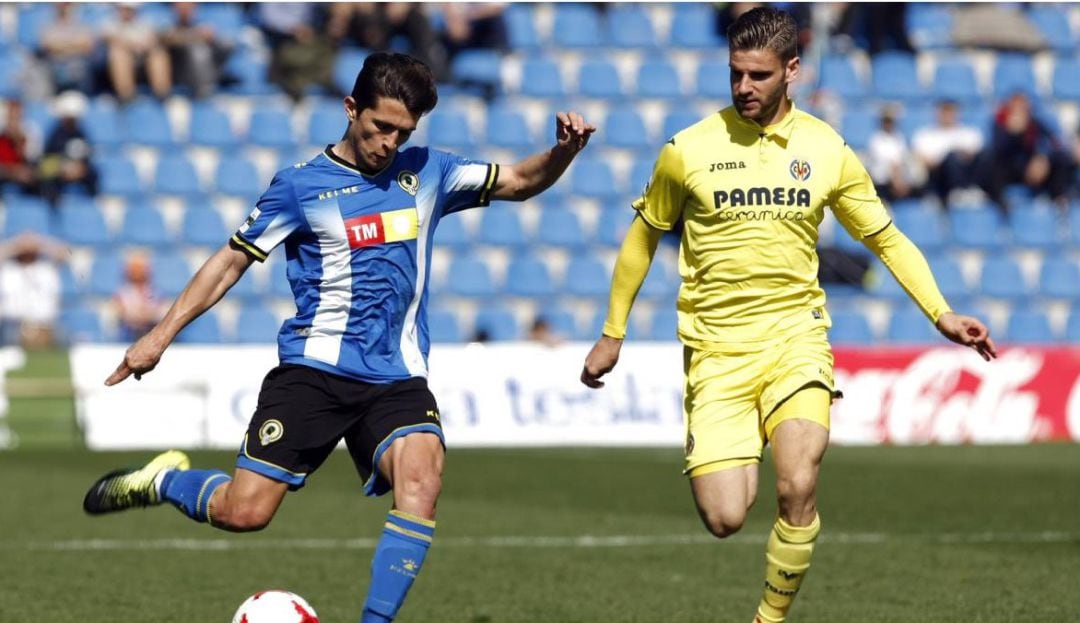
540,542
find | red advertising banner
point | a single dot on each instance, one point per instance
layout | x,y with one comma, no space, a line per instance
950,395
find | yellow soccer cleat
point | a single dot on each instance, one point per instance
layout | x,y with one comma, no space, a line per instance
132,487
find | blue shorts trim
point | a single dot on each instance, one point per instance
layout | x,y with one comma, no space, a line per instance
264,468
376,484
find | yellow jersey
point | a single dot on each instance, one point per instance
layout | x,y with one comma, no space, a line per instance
752,199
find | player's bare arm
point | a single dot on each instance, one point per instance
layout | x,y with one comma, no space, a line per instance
205,289
535,174
969,331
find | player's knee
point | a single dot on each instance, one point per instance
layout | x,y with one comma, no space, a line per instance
417,489
723,524
796,489
245,518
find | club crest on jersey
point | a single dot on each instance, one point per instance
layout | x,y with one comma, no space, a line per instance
270,431
800,170
409,182
373,229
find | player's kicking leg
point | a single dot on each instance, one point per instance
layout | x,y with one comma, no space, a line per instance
136,487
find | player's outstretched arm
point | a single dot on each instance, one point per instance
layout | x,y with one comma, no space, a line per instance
205,289
535,174
968,331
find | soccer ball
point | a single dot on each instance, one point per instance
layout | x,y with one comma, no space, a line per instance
275,607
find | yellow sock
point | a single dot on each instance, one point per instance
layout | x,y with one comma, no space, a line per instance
787,558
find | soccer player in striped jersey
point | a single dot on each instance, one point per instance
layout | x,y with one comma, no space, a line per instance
357,222
751,183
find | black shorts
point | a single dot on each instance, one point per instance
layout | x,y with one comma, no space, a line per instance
303,413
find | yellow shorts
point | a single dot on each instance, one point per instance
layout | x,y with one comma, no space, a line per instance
731,398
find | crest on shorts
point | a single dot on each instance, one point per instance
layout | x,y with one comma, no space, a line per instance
409,182
800,170
689,443
271,431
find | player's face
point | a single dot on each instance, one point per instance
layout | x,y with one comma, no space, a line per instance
376,133
759,82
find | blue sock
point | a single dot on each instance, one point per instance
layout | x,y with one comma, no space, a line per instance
398,556
190,490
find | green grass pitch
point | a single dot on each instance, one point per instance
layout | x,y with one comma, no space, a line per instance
938,534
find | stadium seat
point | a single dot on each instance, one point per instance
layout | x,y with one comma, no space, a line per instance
478,66
469,276
271,127
103,126
950,278
238,177
28,217
561,321
498,323
560,227
81,325
1053,22
629,26
211,127
443,326
625,128
145,123
908,325
592,177
612,225
250,71
1028,327
541,78
277,281
449,129
924,226
501,226
955,79
577,26
664,323
32,18
712,81
1035,228
978,228
528,276
1013,72
838,75
203,227
450,232
858,125
520,19
118,176
1072,326
1001,278
599,78
929,26
225,18
83,224
1059,278
850,328
170,272
1066,79
661,284
895,77
507,128
657,78
206,329
326,124
676,121
256,325
175,175
346,66
694,26
586,276
144,226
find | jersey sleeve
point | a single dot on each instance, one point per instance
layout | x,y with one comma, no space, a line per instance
465,183
855,201
662,202
276,215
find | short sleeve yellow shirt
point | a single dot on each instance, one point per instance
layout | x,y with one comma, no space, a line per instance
751,199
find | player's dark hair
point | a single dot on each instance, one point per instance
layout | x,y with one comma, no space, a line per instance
396,76
765,28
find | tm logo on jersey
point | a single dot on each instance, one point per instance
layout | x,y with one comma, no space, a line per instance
373,229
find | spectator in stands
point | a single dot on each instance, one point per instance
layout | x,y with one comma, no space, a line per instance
138,306
66,164
301,55
541,333
1024,151
195,52
68,47
374,25
889,161
19,147
29,290
134,47
948,151
474,25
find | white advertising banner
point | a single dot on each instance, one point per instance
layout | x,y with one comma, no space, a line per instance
530,395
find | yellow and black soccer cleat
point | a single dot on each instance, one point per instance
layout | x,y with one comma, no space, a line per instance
133,487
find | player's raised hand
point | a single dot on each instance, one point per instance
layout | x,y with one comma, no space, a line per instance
968,331
601,360
572,131
141,358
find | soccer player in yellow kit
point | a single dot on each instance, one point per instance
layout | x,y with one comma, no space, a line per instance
751,184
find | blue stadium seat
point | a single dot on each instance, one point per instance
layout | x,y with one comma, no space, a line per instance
541,78
625,128
838,75
29,217
929,25
211,127
1013,72
1059,278
443,326
664,323
895,77
271,127
1066,80
858,126
103,126
559,227
916,117
1028,326
577,26
501,226
612,225
599,78
143,225
561,321
1035,228
507,128
712,81
170,273
71,287
850,328
450,232
657,78
83,224
106,272
908,325
31,19
478,66
175,175
924,226
955,79
661,284
255,324
145,123
1002,278
118,176
206,329
278,281
950,278
978,228
346,66
586,276
498,323
629,26
592,177
238,177
520,22
81,325
251,72
694,26
469,276
226,18
527,275
640,174
1074,223
1053,22
449,129
203,227
677,121
327,124
1072,326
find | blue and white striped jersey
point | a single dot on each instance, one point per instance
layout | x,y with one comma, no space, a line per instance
358,249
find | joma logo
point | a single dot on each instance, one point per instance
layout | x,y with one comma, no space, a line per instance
727,166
